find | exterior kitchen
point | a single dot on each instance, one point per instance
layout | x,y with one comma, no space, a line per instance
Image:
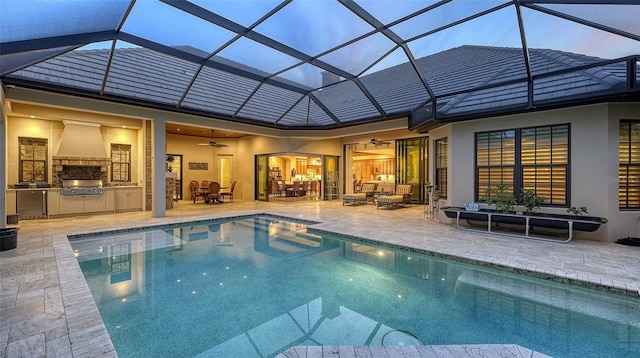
89,163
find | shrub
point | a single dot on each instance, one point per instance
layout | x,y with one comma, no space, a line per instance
530,200
502,197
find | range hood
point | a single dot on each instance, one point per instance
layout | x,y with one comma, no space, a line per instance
81,140
81,154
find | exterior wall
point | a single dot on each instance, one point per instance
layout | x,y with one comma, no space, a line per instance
248,147
192,152
3,157
622,223
452,180
52,131
31,128
594,161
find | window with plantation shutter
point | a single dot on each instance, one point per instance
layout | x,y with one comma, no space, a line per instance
120,163
534,158
495,159
442,162
629,165
33,160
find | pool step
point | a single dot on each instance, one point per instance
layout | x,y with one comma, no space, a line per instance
299,239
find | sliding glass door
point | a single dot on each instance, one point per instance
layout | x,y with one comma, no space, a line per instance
412,165
331,179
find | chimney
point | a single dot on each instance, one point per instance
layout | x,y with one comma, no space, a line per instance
329,78
81,153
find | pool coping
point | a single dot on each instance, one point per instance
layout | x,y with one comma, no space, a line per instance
619,290
88,334
614,289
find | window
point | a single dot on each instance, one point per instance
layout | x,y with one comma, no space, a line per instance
120,162
442,160
529,158
495,159
629,170
33,160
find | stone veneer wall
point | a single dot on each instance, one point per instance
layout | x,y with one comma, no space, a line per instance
169,190
79,168
147,165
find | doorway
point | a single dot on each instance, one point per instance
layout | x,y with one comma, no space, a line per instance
225,165
175,166
412,168
291,177
388,162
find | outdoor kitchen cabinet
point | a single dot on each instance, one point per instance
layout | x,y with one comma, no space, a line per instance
80,204
53,202
128,199
110,199
11,207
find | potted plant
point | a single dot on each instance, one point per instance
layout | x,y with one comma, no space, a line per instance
501,197
170,159
530,200
577,211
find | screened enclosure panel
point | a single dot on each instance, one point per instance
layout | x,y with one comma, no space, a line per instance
310,64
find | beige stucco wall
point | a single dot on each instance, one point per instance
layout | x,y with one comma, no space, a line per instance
250,146
243,151
623,223
31,128
594,160
594,147
52,131
192,152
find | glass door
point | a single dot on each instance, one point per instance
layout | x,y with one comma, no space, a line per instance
262,177
175,166
331,178
411,165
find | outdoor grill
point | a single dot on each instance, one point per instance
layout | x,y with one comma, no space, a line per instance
82,187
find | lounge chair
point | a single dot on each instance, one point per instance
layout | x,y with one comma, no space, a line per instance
402,197
362,197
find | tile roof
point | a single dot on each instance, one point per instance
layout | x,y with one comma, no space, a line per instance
460,78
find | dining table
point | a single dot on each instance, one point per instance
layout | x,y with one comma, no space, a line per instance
205,189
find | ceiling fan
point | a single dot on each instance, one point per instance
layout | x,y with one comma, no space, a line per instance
212,143
377,142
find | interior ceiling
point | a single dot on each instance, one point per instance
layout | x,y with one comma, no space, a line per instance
182,129
312,64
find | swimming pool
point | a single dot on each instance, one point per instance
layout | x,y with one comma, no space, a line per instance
254,286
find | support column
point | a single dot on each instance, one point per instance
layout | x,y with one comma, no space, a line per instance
3,166
158,152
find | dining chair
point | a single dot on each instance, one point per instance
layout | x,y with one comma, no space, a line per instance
214,193
196,192
228,194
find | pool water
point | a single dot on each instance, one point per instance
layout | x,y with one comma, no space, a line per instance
253,287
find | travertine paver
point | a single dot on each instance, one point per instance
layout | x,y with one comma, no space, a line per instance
46,308
448,351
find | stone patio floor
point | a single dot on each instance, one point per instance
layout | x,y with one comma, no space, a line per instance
46,309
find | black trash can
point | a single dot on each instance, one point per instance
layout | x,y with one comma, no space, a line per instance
8,238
